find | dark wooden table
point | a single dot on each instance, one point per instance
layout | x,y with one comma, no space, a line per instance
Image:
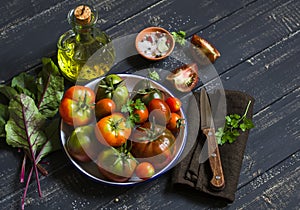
259,43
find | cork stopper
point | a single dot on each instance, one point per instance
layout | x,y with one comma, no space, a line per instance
83,14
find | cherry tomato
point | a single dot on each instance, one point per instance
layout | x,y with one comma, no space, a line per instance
159,111
163,159
77,106
184,78
142,114
112,130
116,165
174,104
144,170
175,123
104,107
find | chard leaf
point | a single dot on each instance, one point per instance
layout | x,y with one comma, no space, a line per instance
23,129
3,119
8,91
24,83
52,144
50,86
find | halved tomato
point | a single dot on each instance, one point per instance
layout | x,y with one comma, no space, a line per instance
185,78
201,46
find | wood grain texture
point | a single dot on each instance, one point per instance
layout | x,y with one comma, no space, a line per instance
30,38
277,188
251,30
259,44
190,16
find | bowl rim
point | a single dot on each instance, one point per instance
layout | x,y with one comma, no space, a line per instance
153,29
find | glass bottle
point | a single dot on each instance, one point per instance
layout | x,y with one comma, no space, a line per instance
84,52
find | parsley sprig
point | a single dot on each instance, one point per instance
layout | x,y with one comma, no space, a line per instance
233,125
179,37
130,107
153,75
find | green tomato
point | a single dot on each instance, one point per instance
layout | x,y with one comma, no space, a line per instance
149,94
82,144
116,165
112,87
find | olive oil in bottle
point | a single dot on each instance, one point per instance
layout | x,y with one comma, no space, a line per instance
85,52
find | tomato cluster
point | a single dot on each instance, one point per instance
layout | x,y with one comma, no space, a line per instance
126,134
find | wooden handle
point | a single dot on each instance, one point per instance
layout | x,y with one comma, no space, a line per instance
217,181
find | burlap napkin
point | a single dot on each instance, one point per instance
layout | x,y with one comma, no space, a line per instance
189,172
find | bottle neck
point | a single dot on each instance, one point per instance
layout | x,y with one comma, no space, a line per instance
83,34
83,19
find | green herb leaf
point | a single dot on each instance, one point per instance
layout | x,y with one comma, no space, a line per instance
32,101
179,37
130,107
8,91
52,143
24,83
233,125
248,123
23,129
50,86
130,122
154,75
138,104
3,119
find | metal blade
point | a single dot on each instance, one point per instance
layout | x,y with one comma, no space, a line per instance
205,111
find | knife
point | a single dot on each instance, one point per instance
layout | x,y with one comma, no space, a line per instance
207,126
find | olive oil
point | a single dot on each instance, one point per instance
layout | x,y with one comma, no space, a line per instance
85,52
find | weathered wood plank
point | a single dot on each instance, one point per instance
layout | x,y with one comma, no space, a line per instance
278,188
270,74
63,187
14,198
284,53
251,30
232,31
275,137
190,16
20,10
266,68
22,48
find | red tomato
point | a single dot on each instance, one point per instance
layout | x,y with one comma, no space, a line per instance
142,113
144,170
185,78
174,104
153,143
163,159
77,106
112,130
159,111
104,107
175,122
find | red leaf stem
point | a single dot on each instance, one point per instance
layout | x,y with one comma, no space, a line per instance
26,188
22,175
